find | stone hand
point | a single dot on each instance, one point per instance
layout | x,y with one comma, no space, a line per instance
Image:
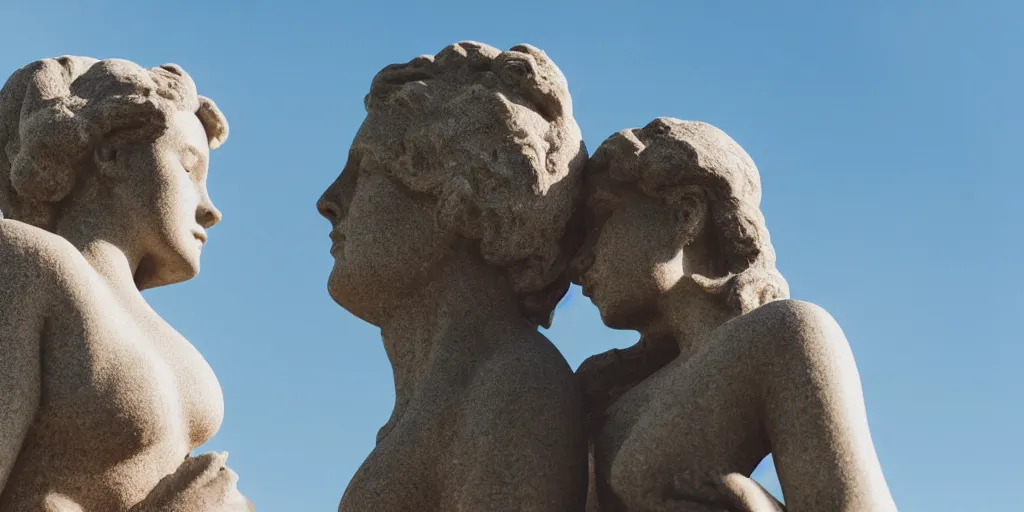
596,368
746,495
729,493
597,375
55,502
200,484
607,375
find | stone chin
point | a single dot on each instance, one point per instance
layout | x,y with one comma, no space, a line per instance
341,288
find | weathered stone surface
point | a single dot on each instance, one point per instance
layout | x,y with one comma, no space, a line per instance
449,224
103,183
728,369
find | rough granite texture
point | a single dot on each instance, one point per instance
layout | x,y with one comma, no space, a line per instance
448,229
103,185
466,192
728,368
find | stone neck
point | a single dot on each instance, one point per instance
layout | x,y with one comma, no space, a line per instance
467,312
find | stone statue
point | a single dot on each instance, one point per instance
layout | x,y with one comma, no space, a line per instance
103,185
448,224
727,369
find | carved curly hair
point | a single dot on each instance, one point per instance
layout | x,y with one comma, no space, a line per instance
669,157
54,112
491,136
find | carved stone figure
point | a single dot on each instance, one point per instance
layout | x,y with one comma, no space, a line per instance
448,223
727,369
103,183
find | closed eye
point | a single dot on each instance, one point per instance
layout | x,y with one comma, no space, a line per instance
187,163
192,161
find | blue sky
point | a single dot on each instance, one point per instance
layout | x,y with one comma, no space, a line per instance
885,133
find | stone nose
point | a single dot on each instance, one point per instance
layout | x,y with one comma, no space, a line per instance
580,264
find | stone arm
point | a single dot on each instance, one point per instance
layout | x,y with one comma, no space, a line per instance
802,369
200,484
606,376
22,318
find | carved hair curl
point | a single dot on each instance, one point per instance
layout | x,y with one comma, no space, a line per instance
54,113
491,136
669,157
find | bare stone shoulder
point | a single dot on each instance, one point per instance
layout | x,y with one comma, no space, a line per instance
536,360
530,384
24,259
33,257
786,324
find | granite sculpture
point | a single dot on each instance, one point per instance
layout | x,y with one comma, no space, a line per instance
103,186
728,368
466,193
449,234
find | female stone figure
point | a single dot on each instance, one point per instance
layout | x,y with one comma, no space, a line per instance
447,226
103,183
728,368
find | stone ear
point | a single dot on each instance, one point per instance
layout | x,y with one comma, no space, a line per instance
104,157
457,211
105,154
690,210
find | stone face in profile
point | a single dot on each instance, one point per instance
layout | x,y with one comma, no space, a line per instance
449,233
728,368
103,186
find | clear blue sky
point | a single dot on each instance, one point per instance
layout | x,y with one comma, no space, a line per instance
888,136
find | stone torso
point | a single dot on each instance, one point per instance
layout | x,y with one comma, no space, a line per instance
406,467
124,399
507,421
701,414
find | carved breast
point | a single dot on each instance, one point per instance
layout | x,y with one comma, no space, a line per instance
402,471
127,383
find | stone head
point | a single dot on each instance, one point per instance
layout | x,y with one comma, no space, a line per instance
675,203
125,146
473,150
